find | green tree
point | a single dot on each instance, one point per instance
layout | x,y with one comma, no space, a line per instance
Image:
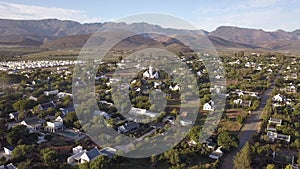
102,162
23,105
288,167
298,161
24,164
173,156
22,152
255,105
17,134
85,165
242,160
227,141
70,119
49,157
271,166
240,119
2,160
67,166
22,115
3,130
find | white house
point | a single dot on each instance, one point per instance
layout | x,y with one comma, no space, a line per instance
156,84
8,149
275,136
278,98
137,111
175,88
14,116
273,123
218,153
89,155
53,92
192,143
75,158
63,94
186,122
54,126
77,149
209,106
33,124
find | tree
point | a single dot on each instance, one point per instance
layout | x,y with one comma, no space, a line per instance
49,157
242,160
71,118
23,105
173,156
22,115
22,152
288,167
85,165
271,166
2,160
3,130
298,161
17,134
279,82
240,119
255,105
67,166
227,141
102,162
24,164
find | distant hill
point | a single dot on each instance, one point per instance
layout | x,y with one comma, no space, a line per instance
60,34
253,36
66,42
77,41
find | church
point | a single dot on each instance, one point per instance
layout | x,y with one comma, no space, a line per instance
150,74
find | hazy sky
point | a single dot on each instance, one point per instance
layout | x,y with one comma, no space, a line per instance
209,14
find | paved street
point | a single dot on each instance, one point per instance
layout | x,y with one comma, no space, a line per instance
251,126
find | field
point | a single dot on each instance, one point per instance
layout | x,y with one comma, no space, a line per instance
230,123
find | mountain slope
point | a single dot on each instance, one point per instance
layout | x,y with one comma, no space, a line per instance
58,34
253,36
77,41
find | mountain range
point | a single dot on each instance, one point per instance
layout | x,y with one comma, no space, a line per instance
61,34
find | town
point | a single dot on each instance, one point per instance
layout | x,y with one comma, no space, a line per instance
40,125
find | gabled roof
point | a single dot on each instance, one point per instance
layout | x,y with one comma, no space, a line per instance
15,114
131,125
9,147
34,120
9,166
46,106
107,151
93,153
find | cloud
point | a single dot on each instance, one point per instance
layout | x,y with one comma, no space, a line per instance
268,15
20,11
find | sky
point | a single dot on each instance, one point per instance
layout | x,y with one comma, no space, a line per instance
269,15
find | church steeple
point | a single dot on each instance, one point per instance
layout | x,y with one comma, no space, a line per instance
151,71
